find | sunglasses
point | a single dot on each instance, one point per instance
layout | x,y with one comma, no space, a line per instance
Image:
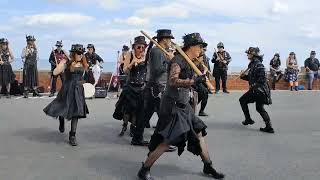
59,46
79,53
141,47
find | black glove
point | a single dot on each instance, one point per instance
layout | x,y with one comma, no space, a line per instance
200,79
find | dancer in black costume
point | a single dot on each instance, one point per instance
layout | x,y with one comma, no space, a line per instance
6,73
259,91
129,107
70,103
177,122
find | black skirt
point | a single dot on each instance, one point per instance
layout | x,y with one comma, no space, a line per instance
6,74
30,75
178,125
70,102
131,98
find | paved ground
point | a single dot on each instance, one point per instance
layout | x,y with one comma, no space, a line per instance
32,149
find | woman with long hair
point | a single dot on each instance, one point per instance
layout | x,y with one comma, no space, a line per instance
6,73
70,103
291,74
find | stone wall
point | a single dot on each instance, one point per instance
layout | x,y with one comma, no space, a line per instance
234,83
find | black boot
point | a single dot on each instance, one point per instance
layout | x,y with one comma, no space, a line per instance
36,93
51,94
226,91
144,173
73,139
132,128
201,113
61,124
291,88
25,93
209,170
124,129
296,88
268,128
139,143
248,122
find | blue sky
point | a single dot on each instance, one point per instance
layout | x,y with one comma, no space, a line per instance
273,25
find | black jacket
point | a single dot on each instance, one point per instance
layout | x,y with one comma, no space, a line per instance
52,59
312,64
219,65
258,81
93,58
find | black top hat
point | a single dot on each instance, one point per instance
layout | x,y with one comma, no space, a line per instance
192,40
4,41
140,40
125,48
255,51
30,38
59,43
77,48
277,54
313,52
164,33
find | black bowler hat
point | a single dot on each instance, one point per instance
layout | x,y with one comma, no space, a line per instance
193,39
277,54
140,40
292,53
164,33
313,53
77,48
30,38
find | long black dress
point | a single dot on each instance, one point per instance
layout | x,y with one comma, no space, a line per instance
131,97
70,102
6,73
177,122
30,70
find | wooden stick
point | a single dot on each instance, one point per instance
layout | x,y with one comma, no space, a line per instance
193,66
156,43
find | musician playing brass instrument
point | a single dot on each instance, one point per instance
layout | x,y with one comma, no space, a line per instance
70,102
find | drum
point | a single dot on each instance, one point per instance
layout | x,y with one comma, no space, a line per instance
89,90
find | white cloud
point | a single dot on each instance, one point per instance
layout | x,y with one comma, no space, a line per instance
280,7
52,19
174,10
133,20
105,4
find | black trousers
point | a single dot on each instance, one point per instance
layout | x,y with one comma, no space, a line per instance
54,81
249,97
203,95
151,105
220,74
139,123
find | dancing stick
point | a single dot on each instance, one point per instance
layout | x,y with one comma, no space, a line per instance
193,66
